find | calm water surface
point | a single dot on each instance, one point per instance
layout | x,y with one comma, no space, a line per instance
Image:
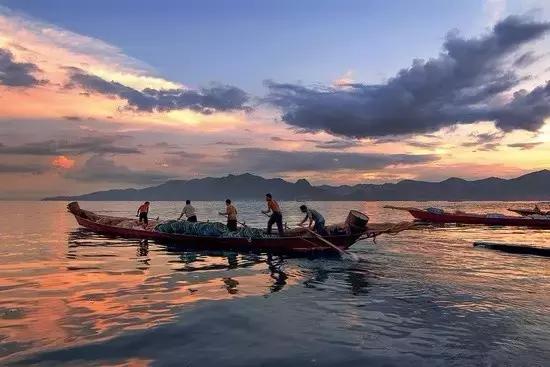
424,297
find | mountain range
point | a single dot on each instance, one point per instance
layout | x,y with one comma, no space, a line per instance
532,186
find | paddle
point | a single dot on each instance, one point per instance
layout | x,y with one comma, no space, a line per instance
319,237
342,252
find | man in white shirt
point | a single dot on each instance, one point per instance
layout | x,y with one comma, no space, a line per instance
314,217
189,211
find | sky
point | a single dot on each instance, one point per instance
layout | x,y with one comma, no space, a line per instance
114,94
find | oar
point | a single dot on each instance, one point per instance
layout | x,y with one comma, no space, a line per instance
343,253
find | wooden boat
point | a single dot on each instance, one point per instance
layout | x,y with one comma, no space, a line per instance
298,240
473,218
526,212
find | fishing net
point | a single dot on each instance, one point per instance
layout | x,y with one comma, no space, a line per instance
435,210
209,229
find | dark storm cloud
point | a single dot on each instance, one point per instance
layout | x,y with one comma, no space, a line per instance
17,74
525,146
527,110
100,144
459,86
23,168
270,161
100,169
206,100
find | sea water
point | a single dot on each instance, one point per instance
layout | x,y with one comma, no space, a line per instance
423,297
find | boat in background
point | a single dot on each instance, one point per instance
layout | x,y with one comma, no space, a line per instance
526,212
298,240
436,215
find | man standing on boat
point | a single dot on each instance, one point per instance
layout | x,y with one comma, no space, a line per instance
142,213
314,216
189,212
231,213
276,215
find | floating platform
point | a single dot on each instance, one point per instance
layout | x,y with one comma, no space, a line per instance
515,248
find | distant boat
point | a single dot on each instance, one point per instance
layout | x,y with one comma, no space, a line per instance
526,212
434,215
294,241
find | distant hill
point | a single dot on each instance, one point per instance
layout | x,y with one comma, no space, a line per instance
532,186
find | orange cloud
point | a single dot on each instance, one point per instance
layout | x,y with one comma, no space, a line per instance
63,162
57,51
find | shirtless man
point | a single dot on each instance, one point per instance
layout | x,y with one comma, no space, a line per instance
276,214
231,213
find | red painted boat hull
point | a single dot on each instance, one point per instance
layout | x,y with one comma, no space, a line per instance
468,218
275,245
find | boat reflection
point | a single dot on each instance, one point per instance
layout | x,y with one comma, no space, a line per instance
178,259
84,245
104,286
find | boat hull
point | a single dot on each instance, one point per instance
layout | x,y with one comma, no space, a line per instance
275,245
466,218
526,212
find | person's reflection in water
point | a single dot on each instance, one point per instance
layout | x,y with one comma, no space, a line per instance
143,251
320,275
232,260
357,279
231,285
188,257
278,275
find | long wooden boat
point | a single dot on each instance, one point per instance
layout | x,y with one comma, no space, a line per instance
291,242
473,218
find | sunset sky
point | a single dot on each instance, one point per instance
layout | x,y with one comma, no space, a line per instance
108,94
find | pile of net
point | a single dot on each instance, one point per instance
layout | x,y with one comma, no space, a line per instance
209,229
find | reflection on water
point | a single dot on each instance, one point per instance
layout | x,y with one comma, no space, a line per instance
427,296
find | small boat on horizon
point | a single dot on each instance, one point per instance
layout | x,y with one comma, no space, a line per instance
297,240
526,212
436,215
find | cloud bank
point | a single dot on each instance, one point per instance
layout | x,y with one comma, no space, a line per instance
17,74
23,168
208,100
83,145
261,160
100,169
465,84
